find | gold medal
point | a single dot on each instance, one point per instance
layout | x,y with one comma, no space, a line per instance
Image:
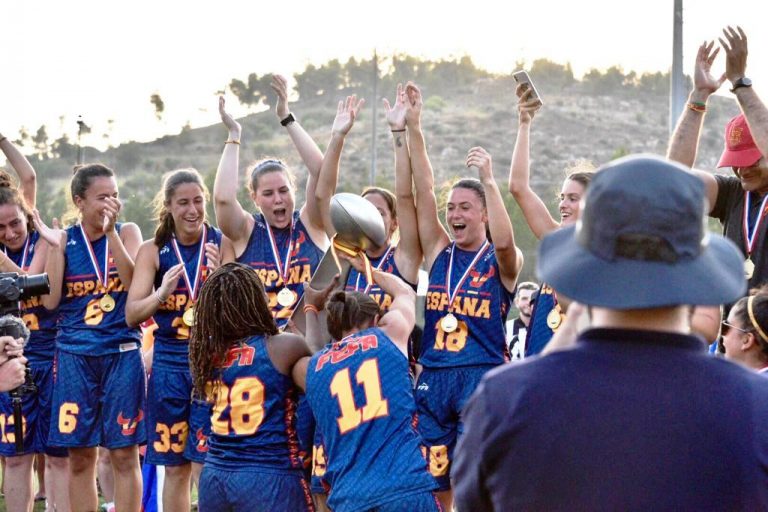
189,317
449,323
107,303
749,268
286,297
554,318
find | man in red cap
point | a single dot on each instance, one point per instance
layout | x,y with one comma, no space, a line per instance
740,202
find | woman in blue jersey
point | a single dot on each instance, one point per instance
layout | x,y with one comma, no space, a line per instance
471,283
24,252
170,269
99,386
402,253
547,314
361,394
244,366
282,244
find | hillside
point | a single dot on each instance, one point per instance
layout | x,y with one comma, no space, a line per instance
572,125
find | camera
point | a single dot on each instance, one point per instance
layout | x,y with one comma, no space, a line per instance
13,289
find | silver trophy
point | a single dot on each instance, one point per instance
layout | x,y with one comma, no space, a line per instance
359,226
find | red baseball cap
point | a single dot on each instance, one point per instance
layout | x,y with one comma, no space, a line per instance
740,149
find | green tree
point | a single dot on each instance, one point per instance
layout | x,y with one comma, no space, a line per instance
40,141
159,105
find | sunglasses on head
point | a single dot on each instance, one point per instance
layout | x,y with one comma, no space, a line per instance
725,327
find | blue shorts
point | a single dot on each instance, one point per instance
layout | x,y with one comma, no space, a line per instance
424,501
177,426
36,411
98,400
440,396
255,490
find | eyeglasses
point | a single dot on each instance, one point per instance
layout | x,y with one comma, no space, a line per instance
726,327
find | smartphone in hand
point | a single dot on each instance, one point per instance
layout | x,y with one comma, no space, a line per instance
522,77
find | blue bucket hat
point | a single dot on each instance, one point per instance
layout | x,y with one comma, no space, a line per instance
642,242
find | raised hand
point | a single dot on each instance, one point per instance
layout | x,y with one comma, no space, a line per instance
280,86
213,256
317,298
481,159
52,236
110,212
703,81
346,113
413,104
170,281
233,126
735,52
396,115
526,106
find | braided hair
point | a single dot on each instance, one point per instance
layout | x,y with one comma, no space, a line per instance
232,306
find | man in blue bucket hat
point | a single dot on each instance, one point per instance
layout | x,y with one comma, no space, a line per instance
625,419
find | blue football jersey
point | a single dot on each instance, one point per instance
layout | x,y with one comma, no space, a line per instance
304,258
539,331
254,411
357,282
172,334
480,305
84,327
41,322
361,395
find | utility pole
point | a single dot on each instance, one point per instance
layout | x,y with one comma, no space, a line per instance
374,120
676,91
80,131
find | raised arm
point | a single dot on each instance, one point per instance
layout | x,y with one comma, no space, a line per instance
232,219
308,150
432,234
685,139
754,109
124,246
534,210
55,260
508,256
314,303
346,113
408,255
25,171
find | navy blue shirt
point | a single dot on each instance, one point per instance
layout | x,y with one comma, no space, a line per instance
626,420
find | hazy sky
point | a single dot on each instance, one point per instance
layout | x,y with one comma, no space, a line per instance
103,59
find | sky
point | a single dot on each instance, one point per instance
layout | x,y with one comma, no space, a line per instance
104,59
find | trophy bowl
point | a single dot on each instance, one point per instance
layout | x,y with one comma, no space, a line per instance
357,222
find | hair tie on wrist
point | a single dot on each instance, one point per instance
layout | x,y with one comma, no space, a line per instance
310,307
232,141
398,131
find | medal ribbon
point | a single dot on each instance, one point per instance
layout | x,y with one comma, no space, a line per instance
369,281
751,238
102,277
23,254
192,286
281,267
449,273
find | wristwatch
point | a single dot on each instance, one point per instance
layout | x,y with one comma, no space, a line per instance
741,82
290,119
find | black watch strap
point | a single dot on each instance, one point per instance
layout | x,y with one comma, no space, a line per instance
741,82
288,120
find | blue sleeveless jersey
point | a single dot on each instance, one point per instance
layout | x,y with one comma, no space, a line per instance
172,334
41,322
305,257
83,327
361,395
480,306
252,422
357,281
539,332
